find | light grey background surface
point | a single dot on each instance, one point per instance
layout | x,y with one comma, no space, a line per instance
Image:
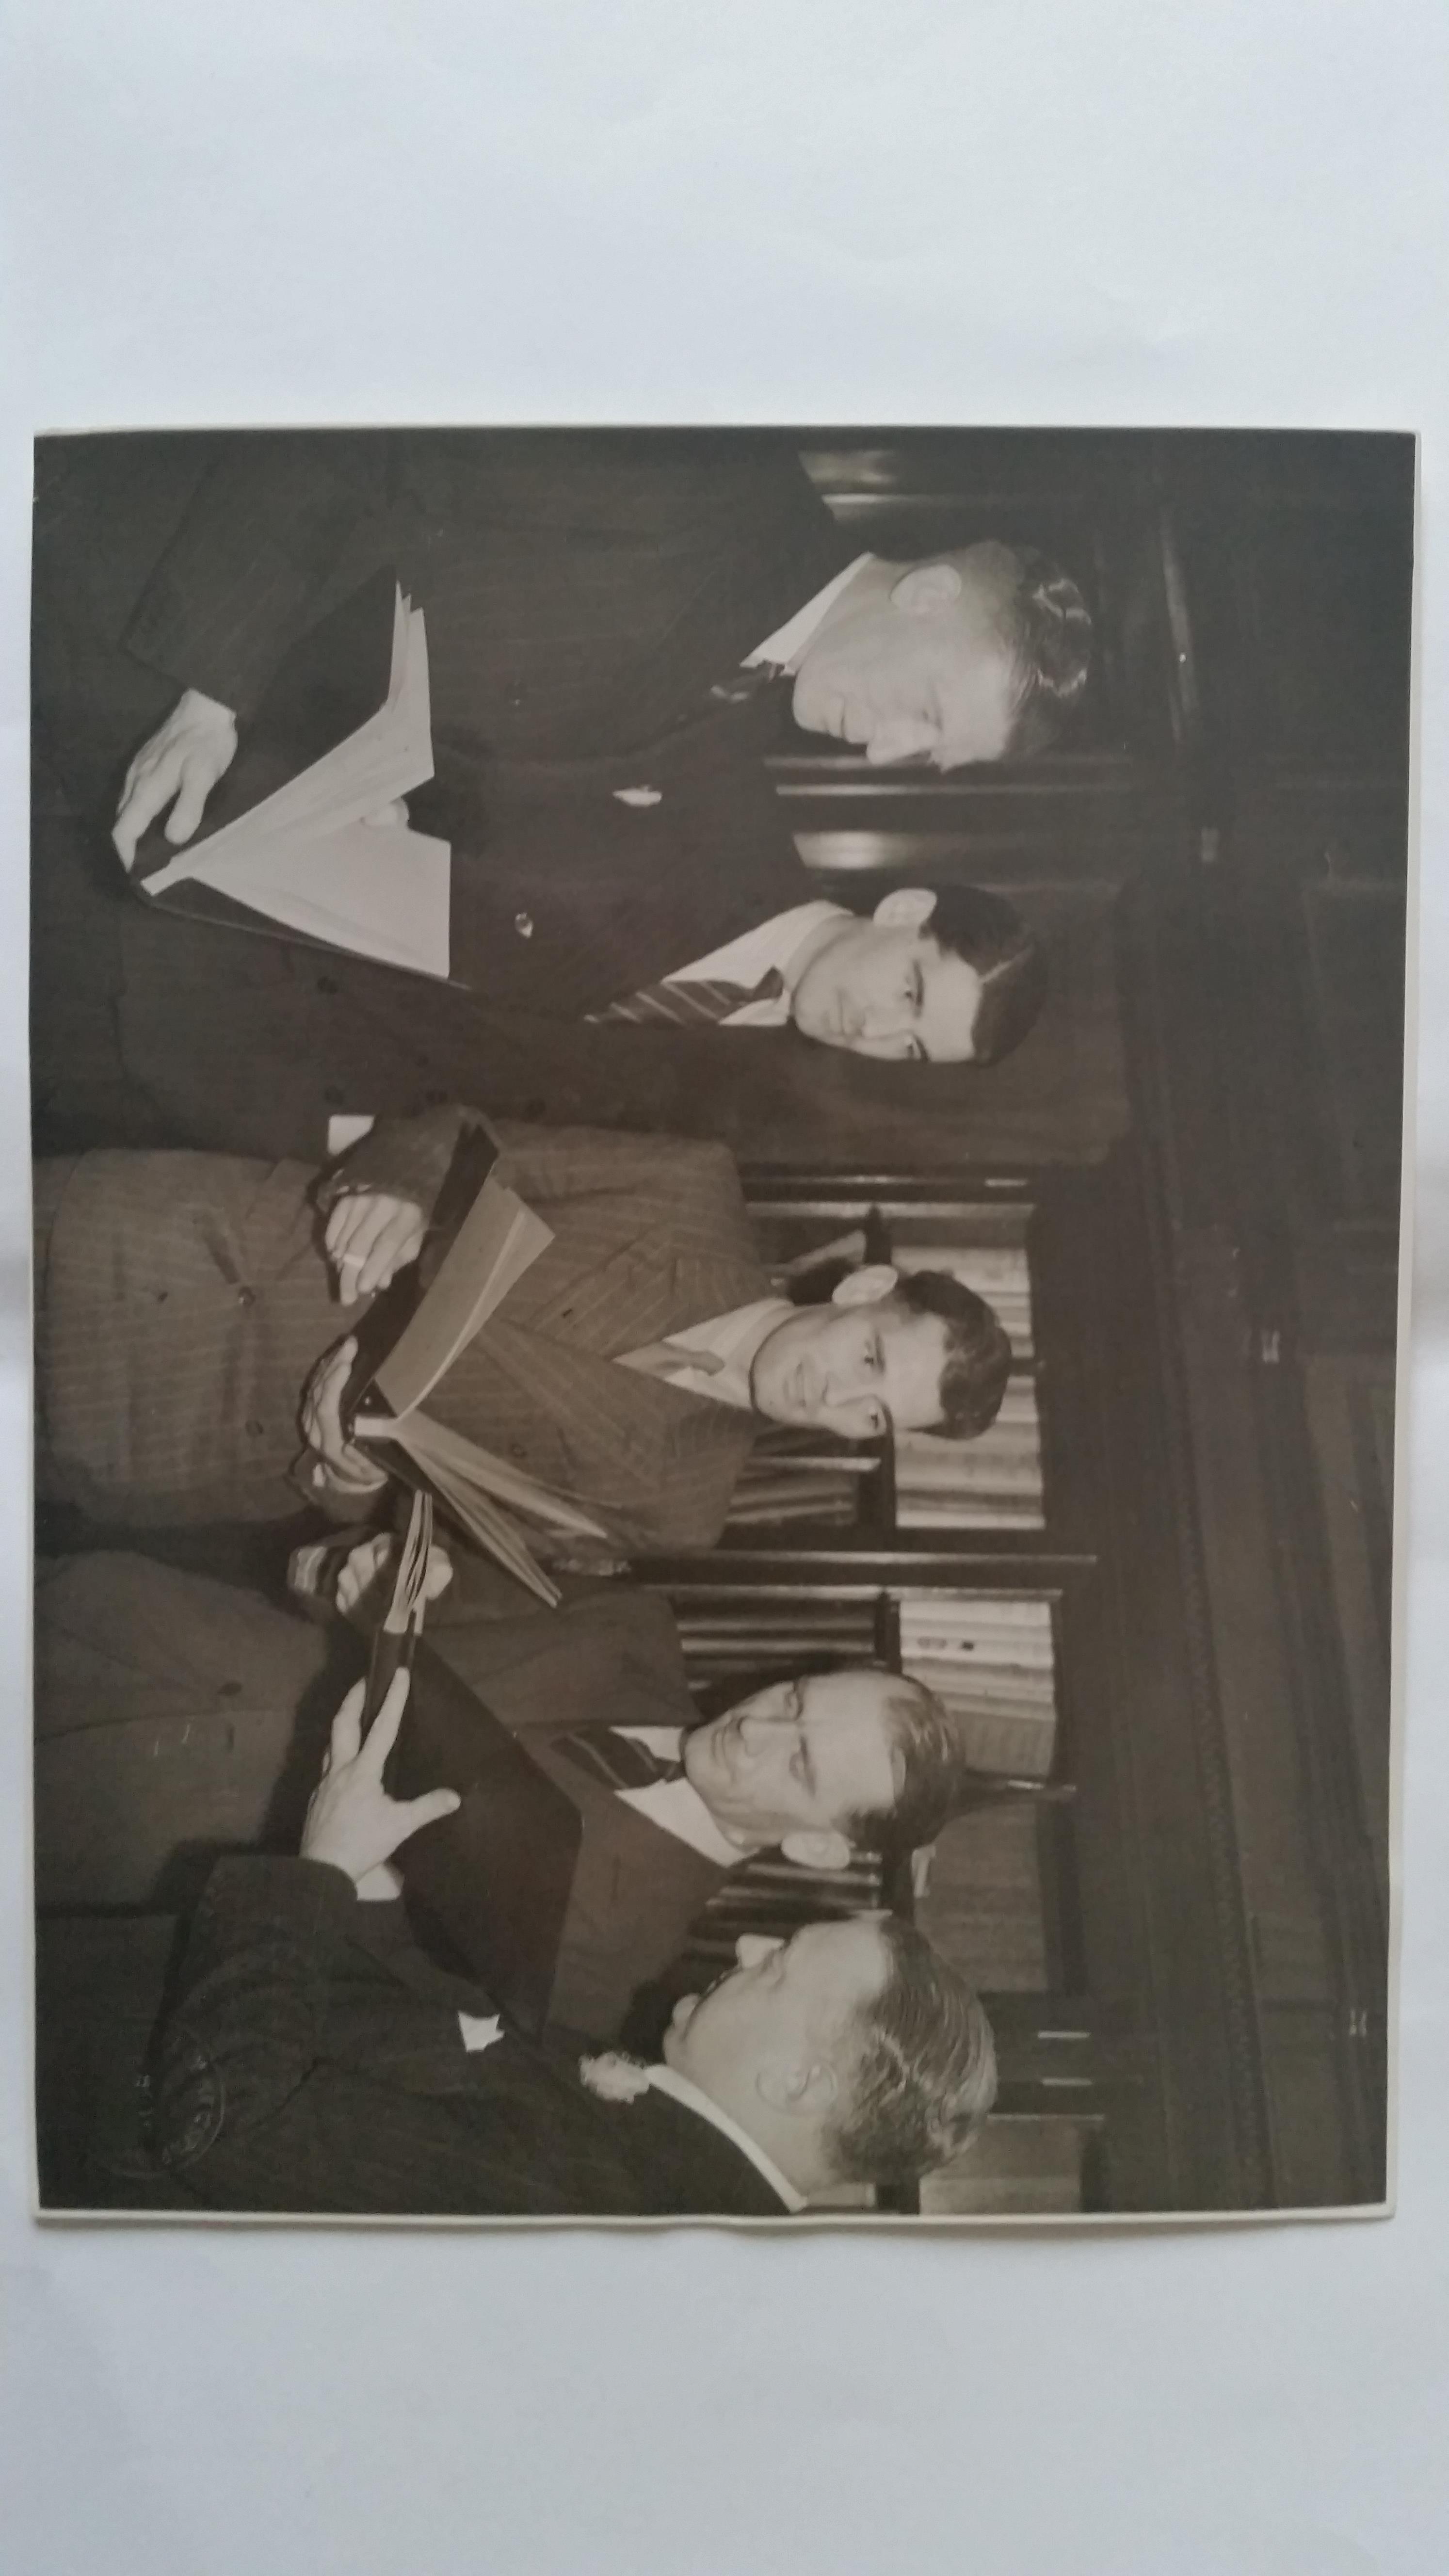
921,210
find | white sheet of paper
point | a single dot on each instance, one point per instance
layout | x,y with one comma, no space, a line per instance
378,889
387,757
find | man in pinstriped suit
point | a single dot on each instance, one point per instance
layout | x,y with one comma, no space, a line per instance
183,1299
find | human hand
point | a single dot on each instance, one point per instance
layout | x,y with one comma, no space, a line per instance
370,1235
184,758
352,1823
371,1563
339,1461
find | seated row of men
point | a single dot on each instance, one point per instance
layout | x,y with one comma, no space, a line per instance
616,630
312,2056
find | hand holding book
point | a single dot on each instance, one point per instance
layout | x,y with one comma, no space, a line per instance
491,1238
370,1236
338,1464
183,759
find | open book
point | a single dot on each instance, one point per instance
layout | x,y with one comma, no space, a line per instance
496,1241
344,731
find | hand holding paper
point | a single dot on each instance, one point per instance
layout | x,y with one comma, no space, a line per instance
184,758
352,1823
361,1577
339,1463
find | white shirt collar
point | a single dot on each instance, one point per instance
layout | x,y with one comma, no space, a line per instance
748,959
676,1806
733,1338
663,2079
788,642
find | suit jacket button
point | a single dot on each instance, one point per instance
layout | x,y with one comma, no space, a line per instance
515,1449
246,1296
326,983
523,924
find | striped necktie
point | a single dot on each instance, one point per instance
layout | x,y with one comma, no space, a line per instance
693,1004
616,1760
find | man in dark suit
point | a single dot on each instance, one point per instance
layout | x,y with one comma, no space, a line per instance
177,1716
183,1301
305,2065
585,592
587,600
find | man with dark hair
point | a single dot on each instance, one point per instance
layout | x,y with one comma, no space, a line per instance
978,1353
305,2065
187,1321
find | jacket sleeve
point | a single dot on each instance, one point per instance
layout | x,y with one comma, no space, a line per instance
244,2030
407,1158
235,587
565,1162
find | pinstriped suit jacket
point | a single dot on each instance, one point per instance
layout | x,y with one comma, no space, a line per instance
650,1235
182,1301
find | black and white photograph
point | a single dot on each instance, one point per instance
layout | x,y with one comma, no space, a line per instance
718,1129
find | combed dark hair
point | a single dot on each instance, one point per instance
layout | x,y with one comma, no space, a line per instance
925,2068
988,932
1049,627
978,1353
922,1734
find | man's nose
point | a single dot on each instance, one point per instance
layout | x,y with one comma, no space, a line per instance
756,1727
898,738
882,1018
752,1949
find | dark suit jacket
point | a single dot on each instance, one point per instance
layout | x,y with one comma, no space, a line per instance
581,596
303,2069
182,1301
582,588
637,1889
177,1717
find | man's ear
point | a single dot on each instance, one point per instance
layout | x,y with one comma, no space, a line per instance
905,908
818,1849
924,589
799,2089
866,1286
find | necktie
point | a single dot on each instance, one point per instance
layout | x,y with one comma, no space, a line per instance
691,1005
614,1759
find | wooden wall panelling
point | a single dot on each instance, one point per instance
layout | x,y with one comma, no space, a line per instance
1168,1965
1219,1042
